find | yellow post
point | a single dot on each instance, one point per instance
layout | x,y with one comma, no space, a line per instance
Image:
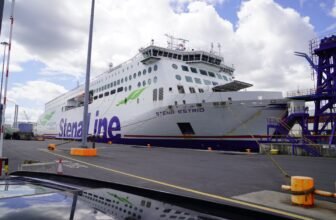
302,190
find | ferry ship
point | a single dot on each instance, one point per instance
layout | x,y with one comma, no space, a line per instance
167,96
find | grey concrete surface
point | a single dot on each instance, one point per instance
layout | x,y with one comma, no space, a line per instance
210,172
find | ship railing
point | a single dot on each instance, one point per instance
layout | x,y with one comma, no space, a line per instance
303,92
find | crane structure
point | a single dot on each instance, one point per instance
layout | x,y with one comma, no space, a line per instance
322,59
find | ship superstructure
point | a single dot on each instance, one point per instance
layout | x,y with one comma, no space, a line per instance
167,97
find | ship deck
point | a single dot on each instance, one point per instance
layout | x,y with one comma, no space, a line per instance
211,175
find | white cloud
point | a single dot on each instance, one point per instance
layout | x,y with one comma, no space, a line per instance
35,91
31,97
333,10
260,45
267,36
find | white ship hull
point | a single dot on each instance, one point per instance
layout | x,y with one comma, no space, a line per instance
166,97
222,125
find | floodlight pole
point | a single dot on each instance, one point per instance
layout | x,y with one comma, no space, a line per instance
87,82
3,67
2,128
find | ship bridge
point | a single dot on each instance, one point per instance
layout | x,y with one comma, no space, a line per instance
154,53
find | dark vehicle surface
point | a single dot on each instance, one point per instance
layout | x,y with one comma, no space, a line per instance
28,195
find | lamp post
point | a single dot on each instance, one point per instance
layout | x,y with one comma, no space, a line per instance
87,81
3,69
2,129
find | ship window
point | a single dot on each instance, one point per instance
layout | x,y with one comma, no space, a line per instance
144,83
114,83
165,54
188,79
193,69
149,81
174,55
207,82
129,77
155,52
106,93
139,73
185,68
154,94
144,72
113,91
170,55
185,57
155,67
211,60
118,82
149,69
201,90
120,89
170,89
100,95
215,83
203,72
178,77
211,74
198,80
122,80
219,76
225,78
160,52
180,89
139,84
134,75
155,79
125,88
161,93
204,58
197,56
179,57
111,84
185,128
126,79
129,87
95,97
192,90
174,66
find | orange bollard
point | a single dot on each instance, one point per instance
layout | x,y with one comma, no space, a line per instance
51,146
110,142
302,190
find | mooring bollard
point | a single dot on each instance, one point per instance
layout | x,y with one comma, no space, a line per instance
51,146
303,191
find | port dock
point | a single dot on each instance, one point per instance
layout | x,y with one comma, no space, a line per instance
211,175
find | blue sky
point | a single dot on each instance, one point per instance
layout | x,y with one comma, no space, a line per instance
50,39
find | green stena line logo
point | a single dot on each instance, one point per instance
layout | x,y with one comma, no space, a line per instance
133,95
46,118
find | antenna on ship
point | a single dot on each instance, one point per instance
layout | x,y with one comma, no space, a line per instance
219,48
176,43
211,48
